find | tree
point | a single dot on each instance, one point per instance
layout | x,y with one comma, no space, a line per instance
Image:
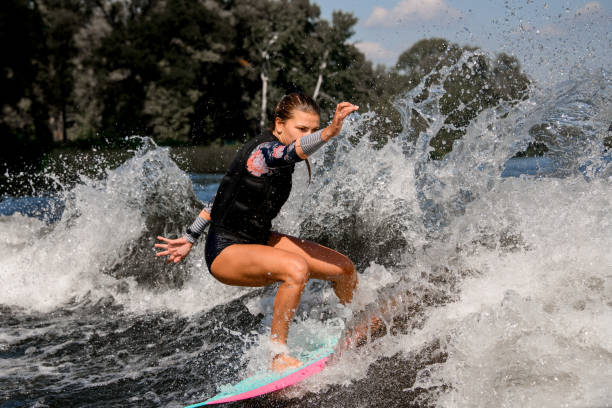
157,64
476,85
86,117
296,50
471,83
63,19
23,116
270,45
346,73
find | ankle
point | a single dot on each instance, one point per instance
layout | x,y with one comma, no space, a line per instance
277,348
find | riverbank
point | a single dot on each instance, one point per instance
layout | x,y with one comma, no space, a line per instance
213,158
204,159
65,165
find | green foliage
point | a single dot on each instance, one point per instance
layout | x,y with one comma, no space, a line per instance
473,84
23,112
155,65
533,149
81,72
63,19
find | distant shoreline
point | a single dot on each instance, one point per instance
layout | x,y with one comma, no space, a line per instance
214,158
204,159
65,165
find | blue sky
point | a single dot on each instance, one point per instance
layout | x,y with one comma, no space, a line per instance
549,37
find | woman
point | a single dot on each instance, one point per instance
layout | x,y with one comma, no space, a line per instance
240,247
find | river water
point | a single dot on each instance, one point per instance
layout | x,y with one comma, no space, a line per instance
494,276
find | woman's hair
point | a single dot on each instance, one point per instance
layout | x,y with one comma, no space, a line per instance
289,103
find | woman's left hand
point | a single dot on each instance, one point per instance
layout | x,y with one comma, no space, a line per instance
342,111
175,249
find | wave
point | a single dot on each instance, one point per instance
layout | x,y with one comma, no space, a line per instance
494,290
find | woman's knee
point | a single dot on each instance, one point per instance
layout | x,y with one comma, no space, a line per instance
297,272
348,269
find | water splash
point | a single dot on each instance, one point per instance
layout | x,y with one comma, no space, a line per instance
507,276
102,244
494,291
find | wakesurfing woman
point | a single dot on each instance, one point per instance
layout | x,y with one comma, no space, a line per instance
240,247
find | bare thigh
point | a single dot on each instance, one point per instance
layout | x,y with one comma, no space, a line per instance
323,263
284,257
256,265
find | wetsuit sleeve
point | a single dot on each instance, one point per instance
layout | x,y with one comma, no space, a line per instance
196,229
312,142
271,155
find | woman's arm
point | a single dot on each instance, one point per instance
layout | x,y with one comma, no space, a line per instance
178,249
270,155
196,229
308,144
205,213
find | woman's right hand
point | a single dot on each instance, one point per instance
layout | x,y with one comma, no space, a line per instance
342,111
175,249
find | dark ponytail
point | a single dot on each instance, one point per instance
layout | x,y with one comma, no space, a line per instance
295,101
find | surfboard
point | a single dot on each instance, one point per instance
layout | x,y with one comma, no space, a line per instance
264,382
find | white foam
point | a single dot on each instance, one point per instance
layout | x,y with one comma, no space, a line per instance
525,319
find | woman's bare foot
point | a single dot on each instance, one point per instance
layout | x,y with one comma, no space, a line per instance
282,362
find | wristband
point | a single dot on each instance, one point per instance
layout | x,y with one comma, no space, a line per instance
195,230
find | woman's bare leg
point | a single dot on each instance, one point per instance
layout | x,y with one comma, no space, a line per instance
291,261
323,263
260,265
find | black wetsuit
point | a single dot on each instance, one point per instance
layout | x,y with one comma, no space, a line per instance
251,194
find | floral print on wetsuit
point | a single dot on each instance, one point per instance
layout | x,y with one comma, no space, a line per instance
270,155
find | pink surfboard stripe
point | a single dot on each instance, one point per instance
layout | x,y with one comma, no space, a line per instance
291,379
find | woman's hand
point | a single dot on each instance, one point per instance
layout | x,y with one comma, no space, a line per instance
175,249
342,111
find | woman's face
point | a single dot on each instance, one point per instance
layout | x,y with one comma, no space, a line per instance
301,123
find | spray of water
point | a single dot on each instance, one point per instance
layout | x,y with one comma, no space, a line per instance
507,276
493,291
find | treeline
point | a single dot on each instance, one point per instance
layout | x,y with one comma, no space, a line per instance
196,71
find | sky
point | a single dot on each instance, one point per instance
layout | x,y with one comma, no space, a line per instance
549,37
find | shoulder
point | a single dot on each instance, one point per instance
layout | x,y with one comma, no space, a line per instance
269,144
268,148
256,161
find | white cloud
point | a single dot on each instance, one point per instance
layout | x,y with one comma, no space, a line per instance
374,51
411,10
589,9
550,30
588,12
547,30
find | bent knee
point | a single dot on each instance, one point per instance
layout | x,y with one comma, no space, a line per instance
347,268
297,272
